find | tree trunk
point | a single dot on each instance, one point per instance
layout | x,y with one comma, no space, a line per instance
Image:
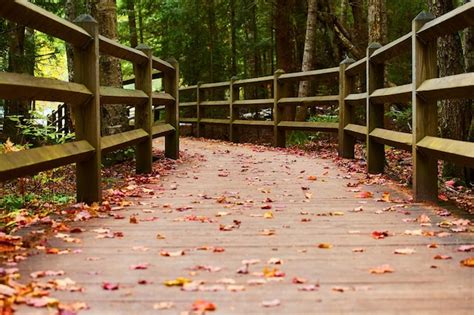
233,38
377,21
70,11
17,62
285,45
455,115
132,23
114,116
308,56
360,24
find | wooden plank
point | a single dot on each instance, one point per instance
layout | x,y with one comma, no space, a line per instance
357,67
214,85
87,118
215,121
28,14
357,131
459,152
280,90
187,104
14,86
123,140
401,140
161,65
346,143
311,100
233,114
450,87
29,162
396,94
254,81
260,123
448,23
188,120
425,113
325,74
161,98
254,102
112,48
113,95
309,126
214,103
131,80
162,129
356,99
394,49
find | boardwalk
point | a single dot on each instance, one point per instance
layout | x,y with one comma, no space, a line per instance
229,186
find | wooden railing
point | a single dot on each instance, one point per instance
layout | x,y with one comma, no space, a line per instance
60,119
423,92
86,96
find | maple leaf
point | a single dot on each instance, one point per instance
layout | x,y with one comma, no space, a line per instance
178,282
379,234
312,178
364,194
442,257
110,286
268,215
468,262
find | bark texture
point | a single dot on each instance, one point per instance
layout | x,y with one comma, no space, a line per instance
377,22
114,117
132,23
308,56
455,116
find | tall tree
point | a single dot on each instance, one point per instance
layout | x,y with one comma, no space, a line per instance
377,21
132,23
455,115
114,117
308,55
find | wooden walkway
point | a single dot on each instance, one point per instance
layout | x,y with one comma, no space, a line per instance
248,194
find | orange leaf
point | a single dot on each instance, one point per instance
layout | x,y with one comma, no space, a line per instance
202,306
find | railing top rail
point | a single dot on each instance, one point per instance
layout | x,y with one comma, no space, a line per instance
215,85
357,67
253,81
328,73
115,49
28,14
393,49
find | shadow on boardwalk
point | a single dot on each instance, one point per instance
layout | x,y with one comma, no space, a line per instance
262,231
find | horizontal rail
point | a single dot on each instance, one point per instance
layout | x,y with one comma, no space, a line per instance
161,98
455,86
112,95
326,74
309,126
260,123
188,88
448,23
28,14
188,120
394,49
27,87
29,162
328,99
122,140
187,104
460,152
162,129
112,48
396,94
254,102
254,81
161,65
154,75
357,67
357,131
215,85
400,140
215,103
215,121
356,99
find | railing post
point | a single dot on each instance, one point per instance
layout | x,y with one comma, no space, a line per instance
234,95
87,117
198,109
279,91
425,113
171,84
144,115
346,85
375,113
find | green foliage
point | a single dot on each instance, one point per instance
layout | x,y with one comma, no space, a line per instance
14,202
299,138
38,134
400,118
119,156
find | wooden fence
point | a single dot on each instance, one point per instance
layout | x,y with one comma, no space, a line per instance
86,96
423,92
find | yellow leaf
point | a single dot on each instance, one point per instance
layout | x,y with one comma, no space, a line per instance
325,245
268,215
178,282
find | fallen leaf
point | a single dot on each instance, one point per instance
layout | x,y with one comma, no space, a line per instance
358,250
172,254
203,306
308,288
325,246
466,248
381,269
268,215
235,288
468,262
110,286
312,178
267,232
297,280
442,257
163,305
178,282
271,303
379,234
139,266
364,194
404,251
